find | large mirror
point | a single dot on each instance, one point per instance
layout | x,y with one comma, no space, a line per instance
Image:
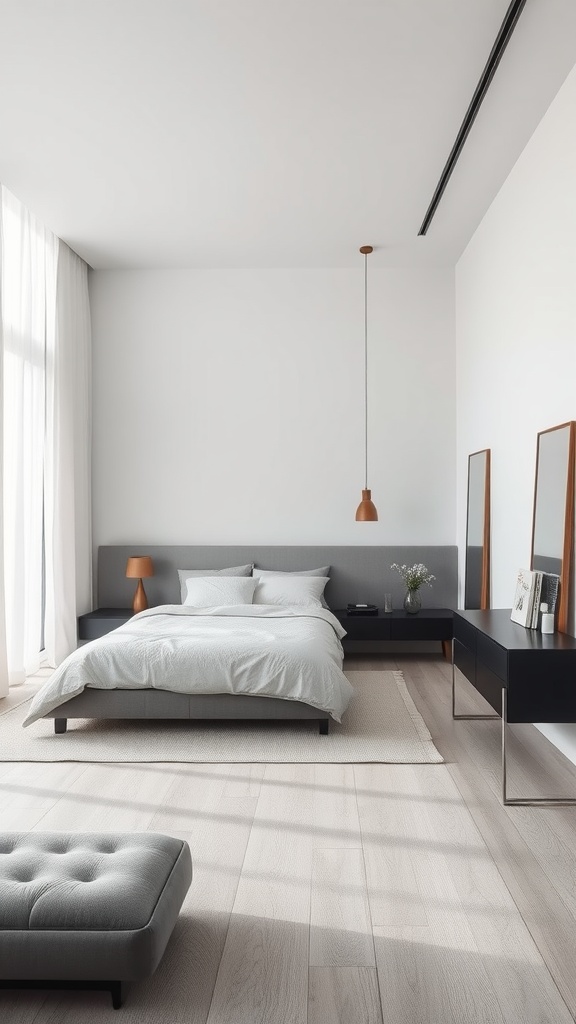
553,521
477,575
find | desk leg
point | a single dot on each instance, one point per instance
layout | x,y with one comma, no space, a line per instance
524,800
468,718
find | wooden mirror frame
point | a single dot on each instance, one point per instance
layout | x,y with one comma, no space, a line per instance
567,545
485,570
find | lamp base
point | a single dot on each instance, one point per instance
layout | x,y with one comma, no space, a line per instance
140,602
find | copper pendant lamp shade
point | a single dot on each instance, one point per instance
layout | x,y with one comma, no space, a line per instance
139,567
366,511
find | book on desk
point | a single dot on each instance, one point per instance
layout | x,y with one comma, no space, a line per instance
533,588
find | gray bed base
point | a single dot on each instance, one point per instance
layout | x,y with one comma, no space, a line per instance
155,704
357,573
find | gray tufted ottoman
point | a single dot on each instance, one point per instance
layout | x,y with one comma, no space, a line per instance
89,910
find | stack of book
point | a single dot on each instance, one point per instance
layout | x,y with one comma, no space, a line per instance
533,588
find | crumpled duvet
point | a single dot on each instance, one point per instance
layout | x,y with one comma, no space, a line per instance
290,652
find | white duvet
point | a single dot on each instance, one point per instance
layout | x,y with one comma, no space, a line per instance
293,653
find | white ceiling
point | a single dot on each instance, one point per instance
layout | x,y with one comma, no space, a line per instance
269,133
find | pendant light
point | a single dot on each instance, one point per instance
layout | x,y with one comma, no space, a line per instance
366,511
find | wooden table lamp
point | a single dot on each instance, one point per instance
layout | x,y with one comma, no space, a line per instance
139,567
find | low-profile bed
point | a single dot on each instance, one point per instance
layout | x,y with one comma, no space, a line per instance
228,661
248,658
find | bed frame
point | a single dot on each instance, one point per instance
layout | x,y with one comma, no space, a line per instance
356,574
155,704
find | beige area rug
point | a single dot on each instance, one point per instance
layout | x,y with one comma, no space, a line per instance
381,724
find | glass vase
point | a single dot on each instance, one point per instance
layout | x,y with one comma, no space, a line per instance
412,602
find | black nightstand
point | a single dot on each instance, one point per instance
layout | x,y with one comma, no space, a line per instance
101,621
427,624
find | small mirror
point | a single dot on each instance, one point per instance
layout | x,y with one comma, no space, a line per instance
477,576
553,522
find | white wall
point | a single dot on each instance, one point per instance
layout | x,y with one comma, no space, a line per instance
228,406
516,339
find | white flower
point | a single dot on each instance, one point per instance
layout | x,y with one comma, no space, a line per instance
414,576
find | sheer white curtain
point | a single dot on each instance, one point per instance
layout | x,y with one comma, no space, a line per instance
4,681
44,478
68,442
29,256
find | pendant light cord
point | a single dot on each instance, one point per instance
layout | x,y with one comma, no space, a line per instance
366,368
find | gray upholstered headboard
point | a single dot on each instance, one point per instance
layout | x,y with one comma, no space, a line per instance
356,574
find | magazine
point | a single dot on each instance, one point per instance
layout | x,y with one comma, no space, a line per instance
523,603
533,588
536,599
550,589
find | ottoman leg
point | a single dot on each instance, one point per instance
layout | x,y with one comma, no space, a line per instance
60,724
324,725
116,993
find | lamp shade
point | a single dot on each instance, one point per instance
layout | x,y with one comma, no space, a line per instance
366,511
139,567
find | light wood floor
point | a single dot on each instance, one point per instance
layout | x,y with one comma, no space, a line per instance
340,894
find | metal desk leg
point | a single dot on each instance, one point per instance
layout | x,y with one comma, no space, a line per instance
469,718
523,801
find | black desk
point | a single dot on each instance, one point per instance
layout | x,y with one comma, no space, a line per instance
526,676
427,624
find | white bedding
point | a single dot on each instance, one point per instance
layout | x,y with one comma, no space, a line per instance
293,653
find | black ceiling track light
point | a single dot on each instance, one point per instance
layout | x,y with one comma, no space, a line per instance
502,39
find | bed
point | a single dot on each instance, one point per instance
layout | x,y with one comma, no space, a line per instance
173,661
112,677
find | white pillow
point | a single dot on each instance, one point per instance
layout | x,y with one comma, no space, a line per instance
296,590
215,591
234,570
323,571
